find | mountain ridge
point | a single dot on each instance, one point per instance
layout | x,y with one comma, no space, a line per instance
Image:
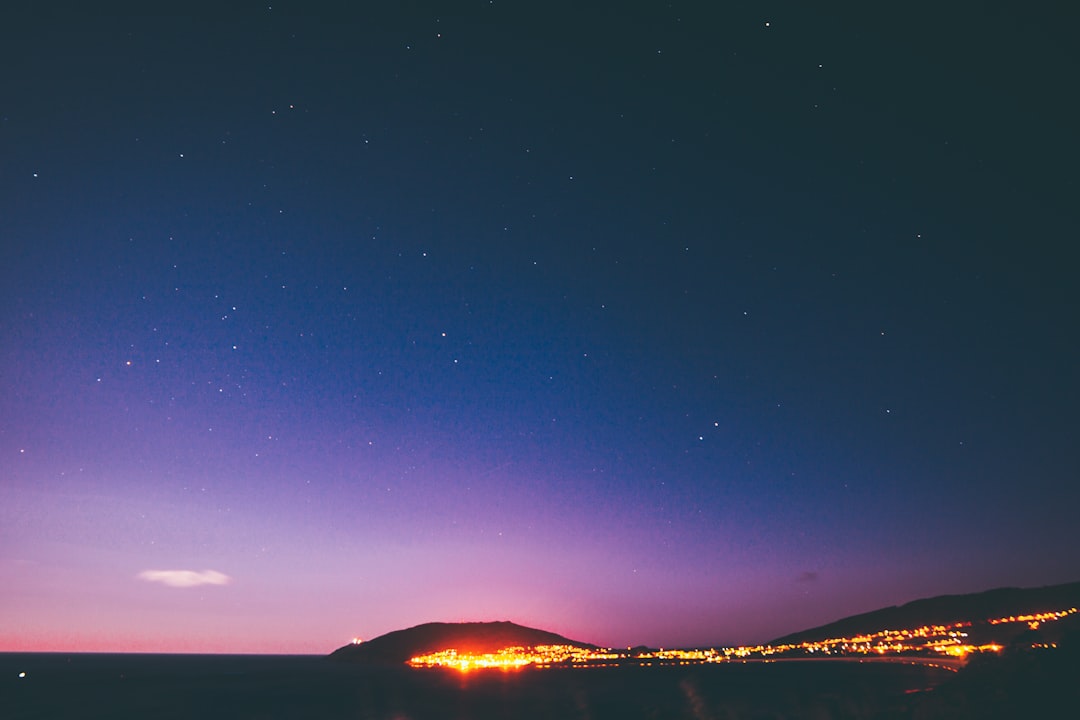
943,610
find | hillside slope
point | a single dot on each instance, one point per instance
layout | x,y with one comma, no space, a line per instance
946,609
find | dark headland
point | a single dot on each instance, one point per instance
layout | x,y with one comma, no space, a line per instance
473,637
1030,674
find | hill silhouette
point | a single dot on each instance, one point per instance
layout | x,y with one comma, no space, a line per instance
475,637
946,609
487,637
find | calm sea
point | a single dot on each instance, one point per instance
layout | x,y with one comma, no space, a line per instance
58,685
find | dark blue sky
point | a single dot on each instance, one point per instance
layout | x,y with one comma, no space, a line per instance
671,324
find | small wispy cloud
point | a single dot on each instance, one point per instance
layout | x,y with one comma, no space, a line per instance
807,577
185,578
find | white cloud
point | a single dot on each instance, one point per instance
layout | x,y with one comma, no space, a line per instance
185,578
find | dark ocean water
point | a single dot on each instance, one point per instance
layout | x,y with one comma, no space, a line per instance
57,685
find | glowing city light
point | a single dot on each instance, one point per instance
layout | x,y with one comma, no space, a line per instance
949,641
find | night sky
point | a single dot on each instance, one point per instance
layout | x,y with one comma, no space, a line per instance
666,323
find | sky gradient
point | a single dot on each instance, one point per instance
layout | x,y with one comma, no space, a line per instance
671,325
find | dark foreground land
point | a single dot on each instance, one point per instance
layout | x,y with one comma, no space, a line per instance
237,687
